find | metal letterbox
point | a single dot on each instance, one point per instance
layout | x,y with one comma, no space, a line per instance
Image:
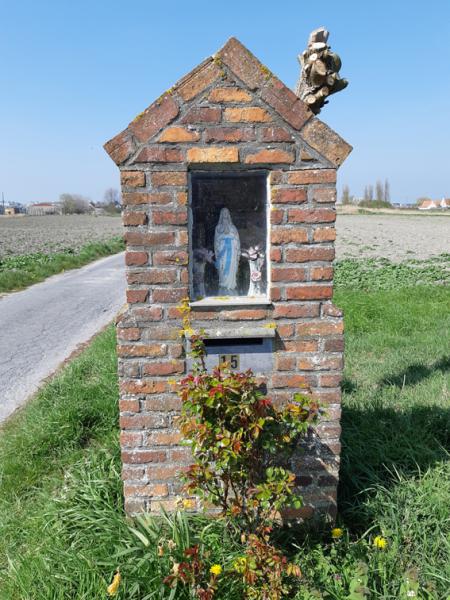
252,349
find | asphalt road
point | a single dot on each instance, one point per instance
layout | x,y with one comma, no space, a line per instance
42,325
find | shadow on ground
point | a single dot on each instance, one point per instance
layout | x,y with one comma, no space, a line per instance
416,373
379,441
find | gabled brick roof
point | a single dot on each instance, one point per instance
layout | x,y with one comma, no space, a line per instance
256,77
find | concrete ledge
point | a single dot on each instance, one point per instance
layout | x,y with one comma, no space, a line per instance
240,332
221,301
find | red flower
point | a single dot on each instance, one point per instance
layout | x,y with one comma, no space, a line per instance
265,402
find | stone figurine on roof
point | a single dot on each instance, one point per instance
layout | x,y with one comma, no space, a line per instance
319,77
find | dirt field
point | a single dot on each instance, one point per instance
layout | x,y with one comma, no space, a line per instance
397,237
24,235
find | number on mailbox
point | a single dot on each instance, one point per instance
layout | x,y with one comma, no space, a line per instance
231,359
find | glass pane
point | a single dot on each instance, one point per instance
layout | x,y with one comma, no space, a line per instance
229,235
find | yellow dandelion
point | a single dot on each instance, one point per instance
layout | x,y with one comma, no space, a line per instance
336,533
216,570
380,542
188,503
114,587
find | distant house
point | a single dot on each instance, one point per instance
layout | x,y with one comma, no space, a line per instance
435,204
40,209
12,209
95,210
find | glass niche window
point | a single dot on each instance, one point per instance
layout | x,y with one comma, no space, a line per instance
228,242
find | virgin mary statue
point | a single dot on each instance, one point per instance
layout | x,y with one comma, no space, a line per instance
227,249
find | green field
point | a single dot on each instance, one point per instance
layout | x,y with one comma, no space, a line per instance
34,248
18,272
62,528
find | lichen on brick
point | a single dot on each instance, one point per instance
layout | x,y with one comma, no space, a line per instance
266,72
163,95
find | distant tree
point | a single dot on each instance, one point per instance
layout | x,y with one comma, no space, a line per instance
111,201
387,191
74,204
366,194
378,202
346,198
379,191
111,196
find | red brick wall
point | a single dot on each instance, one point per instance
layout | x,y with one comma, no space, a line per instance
211,120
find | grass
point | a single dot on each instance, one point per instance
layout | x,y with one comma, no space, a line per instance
381,273
18,272
62,528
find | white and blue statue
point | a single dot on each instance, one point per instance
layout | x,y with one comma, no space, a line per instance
227,250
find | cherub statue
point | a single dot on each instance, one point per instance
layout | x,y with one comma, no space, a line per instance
255,257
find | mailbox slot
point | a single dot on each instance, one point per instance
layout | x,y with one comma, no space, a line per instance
248,342
255,353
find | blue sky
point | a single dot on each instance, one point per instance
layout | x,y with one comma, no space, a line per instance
74,73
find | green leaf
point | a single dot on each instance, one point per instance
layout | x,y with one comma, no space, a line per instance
140,536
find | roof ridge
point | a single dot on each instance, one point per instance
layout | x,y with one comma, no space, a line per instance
255,75
257,78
